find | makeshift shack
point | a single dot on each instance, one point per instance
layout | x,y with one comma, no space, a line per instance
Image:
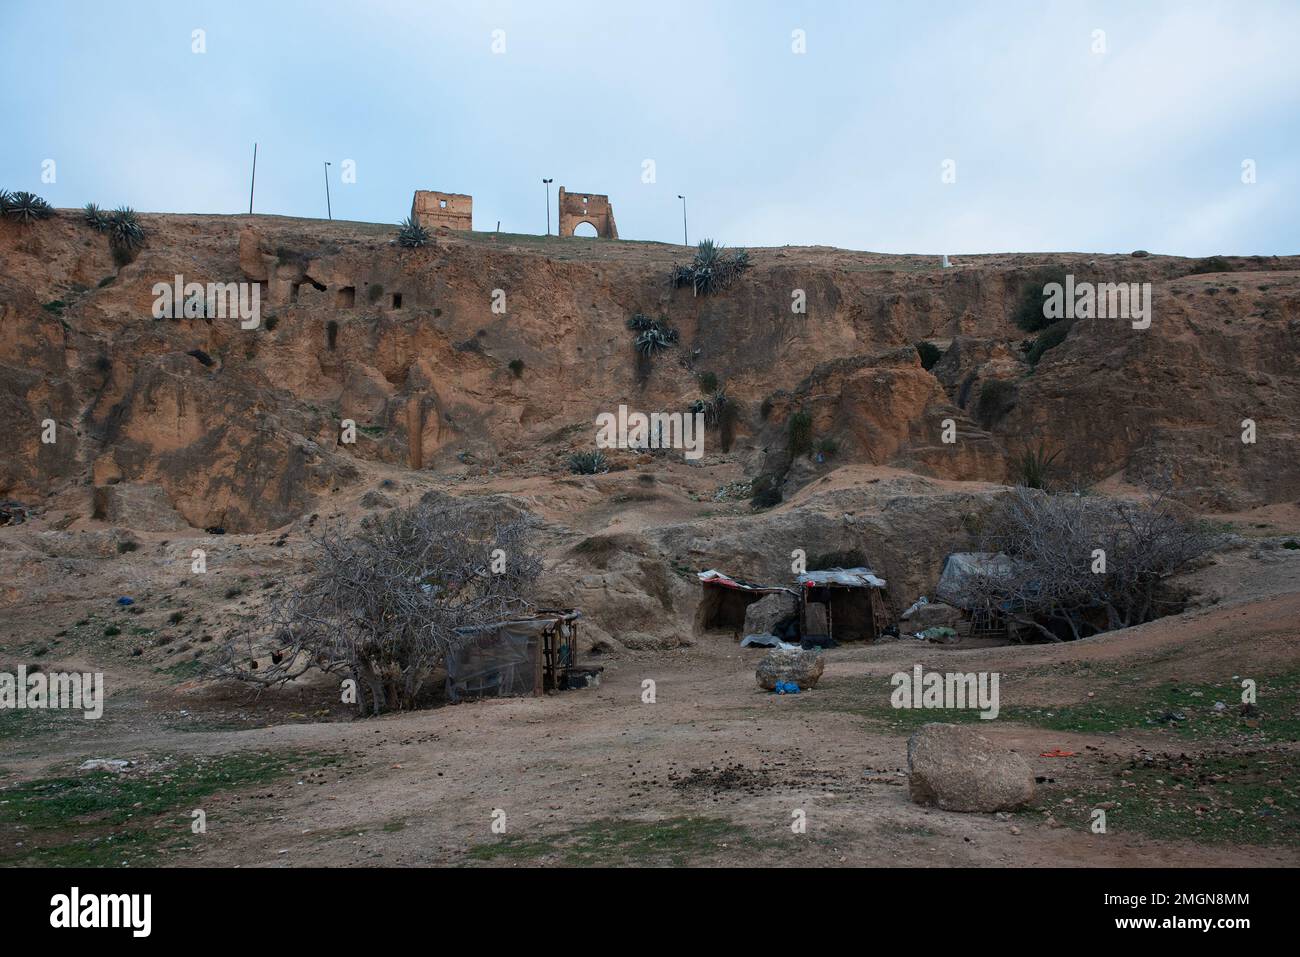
961,571
842,604
725,599
520,657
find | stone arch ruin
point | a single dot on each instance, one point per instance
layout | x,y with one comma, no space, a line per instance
591,208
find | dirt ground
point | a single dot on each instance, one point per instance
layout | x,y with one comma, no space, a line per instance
712,771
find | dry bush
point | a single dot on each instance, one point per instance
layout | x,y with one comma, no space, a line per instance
384,603
1050,541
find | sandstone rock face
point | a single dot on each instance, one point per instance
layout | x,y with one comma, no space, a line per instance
353,327
958,769
764,615
142,506
803,668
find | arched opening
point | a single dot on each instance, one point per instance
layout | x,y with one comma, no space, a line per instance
585,229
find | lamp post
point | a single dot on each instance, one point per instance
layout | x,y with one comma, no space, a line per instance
547,183
685,240
328,211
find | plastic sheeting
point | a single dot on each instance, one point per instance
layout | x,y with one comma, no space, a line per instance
851,577
504,659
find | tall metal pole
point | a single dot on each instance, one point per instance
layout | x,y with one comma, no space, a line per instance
328,211
252,182
547,183
685,240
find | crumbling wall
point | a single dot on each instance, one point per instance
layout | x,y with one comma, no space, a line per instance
432,209
579,208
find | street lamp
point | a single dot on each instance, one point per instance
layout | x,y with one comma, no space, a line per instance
328,211
685,240
547,183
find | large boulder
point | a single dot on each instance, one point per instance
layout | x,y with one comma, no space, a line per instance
958,769
792,665
770,612
142,506
935,613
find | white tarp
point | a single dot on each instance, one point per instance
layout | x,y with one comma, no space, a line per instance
851,577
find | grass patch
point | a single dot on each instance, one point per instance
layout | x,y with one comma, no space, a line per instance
676,841
100,818
1183,710
1246,798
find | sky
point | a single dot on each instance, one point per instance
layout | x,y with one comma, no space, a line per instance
925,126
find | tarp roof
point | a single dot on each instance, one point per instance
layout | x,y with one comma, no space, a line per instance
960,567
845,577
715,577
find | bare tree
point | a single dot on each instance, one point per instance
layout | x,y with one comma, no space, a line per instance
1086,562
383,604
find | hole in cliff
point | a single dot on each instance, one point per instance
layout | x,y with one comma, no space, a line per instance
331,334
397,300
442,204
319,287
346,297
293,292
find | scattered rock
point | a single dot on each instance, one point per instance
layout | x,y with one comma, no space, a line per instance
116,765
959,769
930,615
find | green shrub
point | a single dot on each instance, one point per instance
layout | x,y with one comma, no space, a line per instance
517,367
1028,313
708,383
827,445
930,354
588,463
997,398
411,235
799,434
1210,264
1034,466
1049,338
765,491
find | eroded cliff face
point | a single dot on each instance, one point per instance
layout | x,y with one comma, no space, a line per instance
240,428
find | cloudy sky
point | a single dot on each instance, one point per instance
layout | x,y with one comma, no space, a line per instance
1055,146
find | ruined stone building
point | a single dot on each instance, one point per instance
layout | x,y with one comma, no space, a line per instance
432,209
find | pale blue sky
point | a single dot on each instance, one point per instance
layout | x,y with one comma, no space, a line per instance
1056,147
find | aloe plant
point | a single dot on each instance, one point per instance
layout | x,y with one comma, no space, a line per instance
124,230
96,218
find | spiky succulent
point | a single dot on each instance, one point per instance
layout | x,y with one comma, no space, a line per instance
5,198
653,335
411,234
124,230
711,269
96,218
26,207
588,463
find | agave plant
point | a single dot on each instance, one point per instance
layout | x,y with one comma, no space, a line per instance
711,269
5,198
96,218
653,335
588,463
411,234
124,230
26,207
